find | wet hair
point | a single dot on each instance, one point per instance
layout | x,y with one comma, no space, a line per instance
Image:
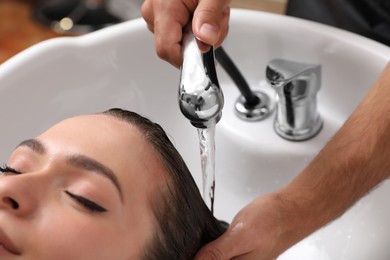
184,223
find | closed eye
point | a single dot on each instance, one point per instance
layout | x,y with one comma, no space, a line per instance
86,203
5,169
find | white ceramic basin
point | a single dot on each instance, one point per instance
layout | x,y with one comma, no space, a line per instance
117,67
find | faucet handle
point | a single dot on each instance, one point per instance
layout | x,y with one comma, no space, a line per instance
200,97
295,79
279,70
296,85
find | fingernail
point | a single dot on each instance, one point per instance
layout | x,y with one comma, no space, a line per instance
210,33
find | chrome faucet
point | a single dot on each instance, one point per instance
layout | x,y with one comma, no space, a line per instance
296,85
200,97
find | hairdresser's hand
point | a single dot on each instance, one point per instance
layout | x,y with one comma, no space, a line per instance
259,231
166,19
352,163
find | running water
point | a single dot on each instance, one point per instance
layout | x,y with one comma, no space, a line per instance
207,157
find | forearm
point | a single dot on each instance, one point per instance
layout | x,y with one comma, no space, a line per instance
354,162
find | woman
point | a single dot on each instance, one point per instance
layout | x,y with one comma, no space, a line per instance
101,186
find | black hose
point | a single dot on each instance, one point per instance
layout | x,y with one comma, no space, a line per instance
232,70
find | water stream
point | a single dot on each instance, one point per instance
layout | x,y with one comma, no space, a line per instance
207,157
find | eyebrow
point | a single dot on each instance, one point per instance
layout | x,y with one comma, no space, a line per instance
89,164
34,145
78,161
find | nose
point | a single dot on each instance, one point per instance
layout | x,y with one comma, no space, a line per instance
19,194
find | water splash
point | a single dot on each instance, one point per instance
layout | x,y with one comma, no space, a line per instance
207,158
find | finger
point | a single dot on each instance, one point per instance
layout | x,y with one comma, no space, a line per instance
209,22
224,31
227,246
224,27
168,44
147,14
211,252
169,20
203,47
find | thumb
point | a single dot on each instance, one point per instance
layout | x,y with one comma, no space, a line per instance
220,249
210,21
212,251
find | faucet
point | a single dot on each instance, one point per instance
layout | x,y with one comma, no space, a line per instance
296,85
200,97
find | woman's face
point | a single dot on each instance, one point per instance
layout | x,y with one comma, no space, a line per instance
81,190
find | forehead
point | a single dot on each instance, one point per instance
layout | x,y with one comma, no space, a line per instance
98,135
87,127
112,142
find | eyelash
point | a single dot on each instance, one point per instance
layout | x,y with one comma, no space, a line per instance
5,169
88,204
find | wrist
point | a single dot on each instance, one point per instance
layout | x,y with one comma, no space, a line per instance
295,219
283,222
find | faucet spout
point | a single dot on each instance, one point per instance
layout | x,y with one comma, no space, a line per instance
200,97
296,85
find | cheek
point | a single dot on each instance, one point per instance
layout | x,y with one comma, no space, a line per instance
71,235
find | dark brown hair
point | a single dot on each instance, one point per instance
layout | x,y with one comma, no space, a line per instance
184,223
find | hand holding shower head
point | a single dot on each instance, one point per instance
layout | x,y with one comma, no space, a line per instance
200,97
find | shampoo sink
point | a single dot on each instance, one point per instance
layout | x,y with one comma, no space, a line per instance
118,67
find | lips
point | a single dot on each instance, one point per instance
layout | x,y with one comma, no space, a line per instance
7,244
